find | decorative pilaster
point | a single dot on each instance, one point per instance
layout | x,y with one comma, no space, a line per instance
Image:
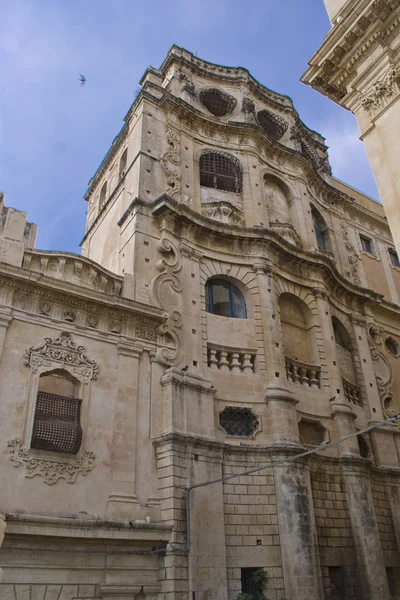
282,428
343,418
268,307
2,534
331,365
371,564
123,502
5,320
297,529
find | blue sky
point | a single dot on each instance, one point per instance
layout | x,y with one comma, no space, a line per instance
54,133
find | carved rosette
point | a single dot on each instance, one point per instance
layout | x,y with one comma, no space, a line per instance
50,470
172,155
353,256
64,350
165,289
382,368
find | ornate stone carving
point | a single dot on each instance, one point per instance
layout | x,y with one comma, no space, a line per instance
172,155
383,91
64,350
69,315
44,307
383,370
92,320
248,108
161,287
224,212
50,470
353,256
288,232
146,330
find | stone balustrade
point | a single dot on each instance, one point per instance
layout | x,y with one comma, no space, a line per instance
74,269
302,373
235,361
352,392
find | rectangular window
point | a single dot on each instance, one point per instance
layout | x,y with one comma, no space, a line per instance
248,583
336,577
366,244
393,577
394,258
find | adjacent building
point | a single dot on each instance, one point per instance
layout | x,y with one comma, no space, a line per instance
234,304
358,67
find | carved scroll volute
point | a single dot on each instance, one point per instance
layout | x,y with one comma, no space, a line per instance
166,290
382,368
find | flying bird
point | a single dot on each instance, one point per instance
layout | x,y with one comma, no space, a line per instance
185,368
82,79
332,399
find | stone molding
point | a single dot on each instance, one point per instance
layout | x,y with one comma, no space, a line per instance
383,370
64,350
172,155
353,256
336,61
50,470
169,279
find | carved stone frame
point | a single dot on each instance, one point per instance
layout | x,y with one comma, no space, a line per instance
55,353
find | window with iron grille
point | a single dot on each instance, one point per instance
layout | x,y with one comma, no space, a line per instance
249,585
221,171
238,421
57,426
273,125
217,102
336,577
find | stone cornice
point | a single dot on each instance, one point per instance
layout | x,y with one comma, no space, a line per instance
167,205
362,28
67,293
66,527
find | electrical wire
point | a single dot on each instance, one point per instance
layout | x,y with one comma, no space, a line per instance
273,464
169,547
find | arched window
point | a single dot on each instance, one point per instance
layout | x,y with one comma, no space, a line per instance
103,194
321,230
224,299
122,164
221,171
345,356
57,420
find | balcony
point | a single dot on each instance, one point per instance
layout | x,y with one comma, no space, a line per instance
352,392
235,361
302,373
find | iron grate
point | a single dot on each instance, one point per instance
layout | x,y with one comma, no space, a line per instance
57,425
238,421
221,171
273,125
217,102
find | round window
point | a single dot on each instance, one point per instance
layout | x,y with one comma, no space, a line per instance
392,346
217,102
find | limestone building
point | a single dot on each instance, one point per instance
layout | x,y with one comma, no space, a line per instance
234,304
358,67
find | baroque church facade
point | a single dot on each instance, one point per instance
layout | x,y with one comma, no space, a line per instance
234,306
